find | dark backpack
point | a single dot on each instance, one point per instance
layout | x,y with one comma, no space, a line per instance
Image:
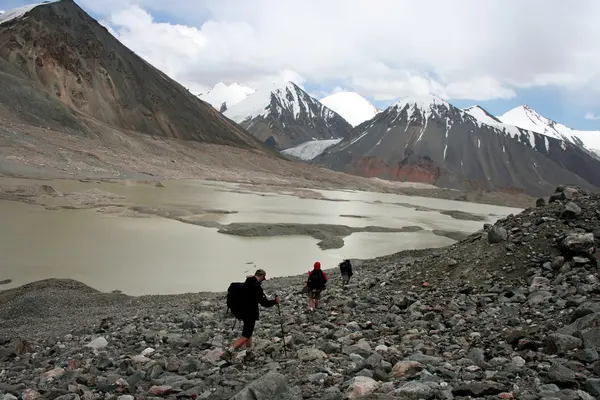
316,280
346,267
236,299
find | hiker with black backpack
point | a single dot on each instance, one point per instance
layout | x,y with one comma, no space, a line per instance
243,300
315,284
346,271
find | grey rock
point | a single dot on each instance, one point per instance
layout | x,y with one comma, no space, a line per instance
311,354
272,386
570,211
578,244
497,234
478,389
415,391
540,202
592,386
560,374
558,343
588,355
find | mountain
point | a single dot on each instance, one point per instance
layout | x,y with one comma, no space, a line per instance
60,68
429,140
527,118
222,96
351,106
284,116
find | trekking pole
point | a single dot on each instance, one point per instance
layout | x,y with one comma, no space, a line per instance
282,332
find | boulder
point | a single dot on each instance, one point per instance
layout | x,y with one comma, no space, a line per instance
558,343
578,244
541,202
361,386
570,211
497,234
271,386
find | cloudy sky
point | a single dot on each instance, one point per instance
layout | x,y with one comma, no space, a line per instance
496,53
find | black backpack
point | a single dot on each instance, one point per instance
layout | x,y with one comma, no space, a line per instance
346,267
236,299
316,280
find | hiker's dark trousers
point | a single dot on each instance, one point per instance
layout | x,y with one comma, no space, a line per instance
248,328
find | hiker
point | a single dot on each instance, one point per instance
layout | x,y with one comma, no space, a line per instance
346,271
244,303
315,284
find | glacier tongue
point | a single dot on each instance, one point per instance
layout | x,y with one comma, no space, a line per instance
309,150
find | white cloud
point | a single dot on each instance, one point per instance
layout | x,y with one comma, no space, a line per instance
591,116
464,49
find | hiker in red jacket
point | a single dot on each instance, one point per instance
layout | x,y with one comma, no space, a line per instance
315,284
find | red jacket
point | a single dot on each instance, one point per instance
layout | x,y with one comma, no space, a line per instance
310,273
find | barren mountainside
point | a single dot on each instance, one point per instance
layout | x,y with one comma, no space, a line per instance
57,56
429,140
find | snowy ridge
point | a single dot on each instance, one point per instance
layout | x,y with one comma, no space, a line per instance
21,11
482,117
230,95
309,150
276,100
527,118
351,106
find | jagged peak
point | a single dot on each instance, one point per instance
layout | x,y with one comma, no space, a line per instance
259,103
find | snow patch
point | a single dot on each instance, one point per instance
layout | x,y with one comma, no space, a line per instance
351,106
309,150
21,11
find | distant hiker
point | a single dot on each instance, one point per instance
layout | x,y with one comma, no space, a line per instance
315,284
243,300
346,271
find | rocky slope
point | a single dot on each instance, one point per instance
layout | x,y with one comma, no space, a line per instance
284,116
511,312
59,66
429,140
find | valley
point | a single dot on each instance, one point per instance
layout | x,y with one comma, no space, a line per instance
129,203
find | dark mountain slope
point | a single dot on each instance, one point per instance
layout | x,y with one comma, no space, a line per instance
77,61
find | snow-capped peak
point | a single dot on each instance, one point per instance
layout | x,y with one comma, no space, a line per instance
527,118
481,114
228,94
18,12
276,99
423,102
351,106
